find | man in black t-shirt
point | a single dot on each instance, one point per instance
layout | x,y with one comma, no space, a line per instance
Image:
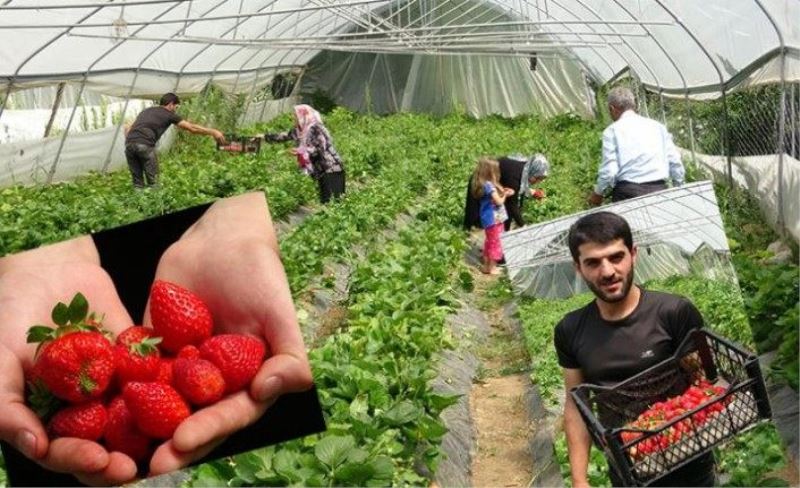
147,129
624,331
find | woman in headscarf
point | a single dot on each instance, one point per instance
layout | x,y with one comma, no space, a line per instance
315,153
519,174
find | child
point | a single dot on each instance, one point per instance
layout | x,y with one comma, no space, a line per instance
486,186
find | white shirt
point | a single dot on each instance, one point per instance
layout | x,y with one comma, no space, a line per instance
638,150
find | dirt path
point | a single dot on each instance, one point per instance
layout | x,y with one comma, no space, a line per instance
497,401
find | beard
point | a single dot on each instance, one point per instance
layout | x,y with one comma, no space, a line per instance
618,296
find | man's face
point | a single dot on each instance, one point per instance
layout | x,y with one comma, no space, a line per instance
607,269
614,112
172,107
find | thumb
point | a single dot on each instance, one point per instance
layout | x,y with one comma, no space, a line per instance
281,373
19,426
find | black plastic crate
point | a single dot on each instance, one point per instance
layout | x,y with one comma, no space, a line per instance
702,355
240,144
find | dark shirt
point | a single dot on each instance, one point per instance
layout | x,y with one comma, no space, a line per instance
608,352
150,125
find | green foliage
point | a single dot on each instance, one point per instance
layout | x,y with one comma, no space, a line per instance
752,457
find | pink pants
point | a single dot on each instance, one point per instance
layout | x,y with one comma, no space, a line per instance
491,246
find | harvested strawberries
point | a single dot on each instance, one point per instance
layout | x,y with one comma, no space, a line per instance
132,392
661,413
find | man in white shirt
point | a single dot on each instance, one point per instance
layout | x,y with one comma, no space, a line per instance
638,153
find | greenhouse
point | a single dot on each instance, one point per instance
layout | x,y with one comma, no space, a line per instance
426,371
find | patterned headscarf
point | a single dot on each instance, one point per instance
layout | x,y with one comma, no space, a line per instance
536,167
306,116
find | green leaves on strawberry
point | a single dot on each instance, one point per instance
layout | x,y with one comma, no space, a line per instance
137,356
179,316
68,318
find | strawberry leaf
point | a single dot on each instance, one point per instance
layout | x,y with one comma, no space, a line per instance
78,308
60,314
39,333
41,401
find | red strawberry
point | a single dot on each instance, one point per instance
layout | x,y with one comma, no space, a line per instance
156,407
77,367
238,357
121,432
137,357
74,361
198,381
85,421
189,352
165,371
178,316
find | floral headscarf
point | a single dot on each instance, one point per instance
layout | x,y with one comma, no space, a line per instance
536,167
306,116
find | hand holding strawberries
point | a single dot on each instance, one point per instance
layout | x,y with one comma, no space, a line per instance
230,260
30,284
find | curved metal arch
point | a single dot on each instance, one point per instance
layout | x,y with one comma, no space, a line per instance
52,170
136,77
723,88
36,52
782,116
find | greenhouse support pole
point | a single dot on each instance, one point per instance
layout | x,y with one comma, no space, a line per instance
781,117
727,135
691,126
56,103
719,75
128,95
661,104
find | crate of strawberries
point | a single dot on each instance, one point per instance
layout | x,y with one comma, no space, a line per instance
240,144
130,392
672,413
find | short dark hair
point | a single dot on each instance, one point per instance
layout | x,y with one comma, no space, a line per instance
599,227
168,98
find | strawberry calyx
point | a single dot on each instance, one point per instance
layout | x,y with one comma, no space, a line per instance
41,400
74,317
145,347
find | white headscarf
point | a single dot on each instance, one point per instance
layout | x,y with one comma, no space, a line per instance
536,167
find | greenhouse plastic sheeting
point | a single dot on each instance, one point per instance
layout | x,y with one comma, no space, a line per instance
268,109
31,161
759,176
677,231
146,48
477,85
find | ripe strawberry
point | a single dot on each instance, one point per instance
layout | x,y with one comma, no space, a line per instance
189,352
85,421
74,361
198,381
77,367
238,357
136,354
121,433
178,316
157,408
165,371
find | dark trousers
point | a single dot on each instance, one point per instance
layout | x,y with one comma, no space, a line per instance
143,164
625,189
700,472
514,209
331,185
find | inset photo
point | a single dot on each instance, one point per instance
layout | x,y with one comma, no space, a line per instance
143,349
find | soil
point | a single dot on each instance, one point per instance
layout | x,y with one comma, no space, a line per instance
498,402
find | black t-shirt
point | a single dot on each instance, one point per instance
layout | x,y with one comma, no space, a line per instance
150,125
608,352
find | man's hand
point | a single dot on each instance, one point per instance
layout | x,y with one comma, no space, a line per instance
595,199
230,259
31,283
218,136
